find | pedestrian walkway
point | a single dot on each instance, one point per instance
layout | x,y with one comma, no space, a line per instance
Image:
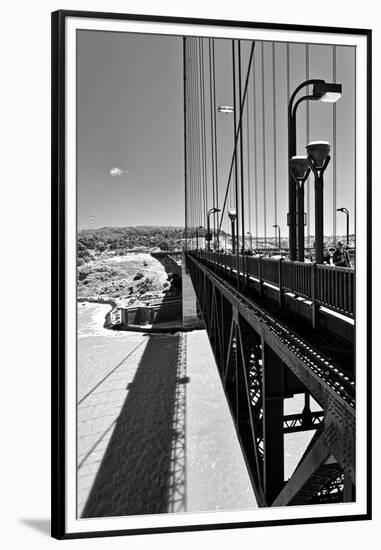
154,431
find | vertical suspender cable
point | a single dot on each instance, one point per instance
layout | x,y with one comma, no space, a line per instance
355,143
194,135
201,219
185,141
235,164
212,135
334,160
248,165
308,139
264,146
274,132
196,173
202,129
255,159
215,129
241,149
204,141
193,131
189,132
288,88
235,150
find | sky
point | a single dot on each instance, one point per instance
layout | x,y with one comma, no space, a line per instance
130,119
129,116
265,160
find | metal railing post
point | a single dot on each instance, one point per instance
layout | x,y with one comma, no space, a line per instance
260,276
314,291
280,281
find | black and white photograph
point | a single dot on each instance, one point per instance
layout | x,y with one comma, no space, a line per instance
212,196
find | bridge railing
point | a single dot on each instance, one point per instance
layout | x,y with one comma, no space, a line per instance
253,266
336,288
329,286
269,270
298,277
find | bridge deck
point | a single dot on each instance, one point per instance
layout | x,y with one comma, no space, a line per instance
338,349
251,341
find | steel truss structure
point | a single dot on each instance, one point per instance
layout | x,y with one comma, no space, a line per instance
262,362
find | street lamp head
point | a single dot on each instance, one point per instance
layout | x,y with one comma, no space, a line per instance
299,166
326,91
227,109
318,152
212,210
232,213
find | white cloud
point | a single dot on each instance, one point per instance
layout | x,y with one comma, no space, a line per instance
115,171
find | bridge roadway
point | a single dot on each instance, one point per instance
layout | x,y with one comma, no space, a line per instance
267,350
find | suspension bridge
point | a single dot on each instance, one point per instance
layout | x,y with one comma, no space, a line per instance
269,132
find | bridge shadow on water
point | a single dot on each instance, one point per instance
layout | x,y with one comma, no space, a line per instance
143,467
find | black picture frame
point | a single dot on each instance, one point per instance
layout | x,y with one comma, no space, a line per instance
58,204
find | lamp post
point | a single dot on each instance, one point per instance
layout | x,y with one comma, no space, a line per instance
197,228
232,213
251,239
276,225
209,235
318,160
300,170
323,91
345,211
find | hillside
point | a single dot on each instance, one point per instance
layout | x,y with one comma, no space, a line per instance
122,276
120,240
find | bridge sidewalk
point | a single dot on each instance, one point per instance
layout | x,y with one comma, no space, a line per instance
154,431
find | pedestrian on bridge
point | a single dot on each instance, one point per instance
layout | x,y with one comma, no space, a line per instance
326,256
341,256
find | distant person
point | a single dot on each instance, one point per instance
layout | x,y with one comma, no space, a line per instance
341,256
326,256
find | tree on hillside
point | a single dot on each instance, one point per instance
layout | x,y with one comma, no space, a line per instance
164,245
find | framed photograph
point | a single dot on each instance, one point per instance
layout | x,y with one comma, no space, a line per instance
211,187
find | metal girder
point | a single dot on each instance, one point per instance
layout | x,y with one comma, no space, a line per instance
272,422
310,477
296,422
255,355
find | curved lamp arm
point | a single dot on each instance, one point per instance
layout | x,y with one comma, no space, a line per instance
300,100
302,85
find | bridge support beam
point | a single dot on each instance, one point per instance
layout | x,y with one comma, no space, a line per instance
316,457
273,441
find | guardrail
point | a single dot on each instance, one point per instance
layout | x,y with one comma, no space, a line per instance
324,285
